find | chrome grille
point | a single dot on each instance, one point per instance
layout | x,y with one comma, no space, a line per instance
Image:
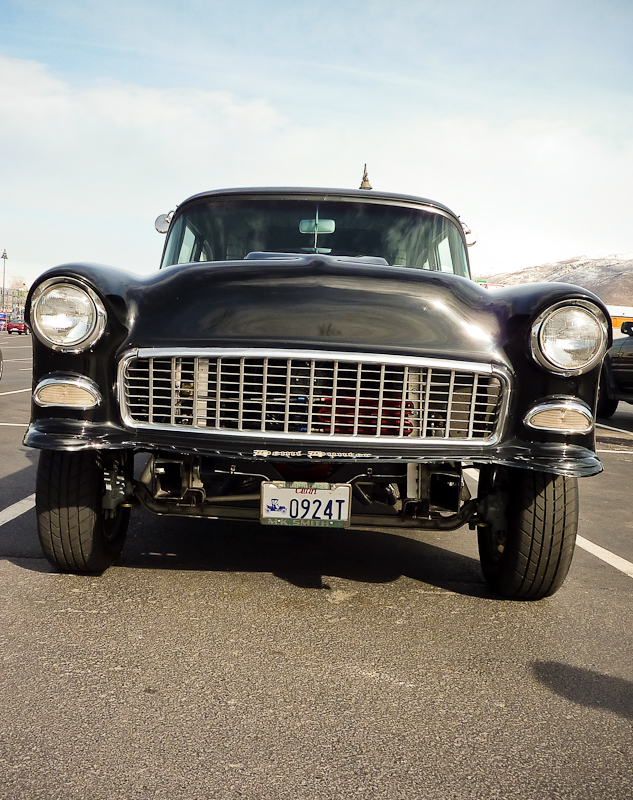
311,394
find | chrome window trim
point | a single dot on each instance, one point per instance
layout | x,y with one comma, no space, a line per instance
548,405
535,337
78,381
332,355
100,320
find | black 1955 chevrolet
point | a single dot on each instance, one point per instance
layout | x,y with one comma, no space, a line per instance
313,357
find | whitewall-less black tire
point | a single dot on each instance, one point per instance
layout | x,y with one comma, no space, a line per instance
526,552
75,533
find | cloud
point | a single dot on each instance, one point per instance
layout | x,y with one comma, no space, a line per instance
82,160
88,168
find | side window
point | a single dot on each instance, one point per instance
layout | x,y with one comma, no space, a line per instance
186,243
444,257
187,247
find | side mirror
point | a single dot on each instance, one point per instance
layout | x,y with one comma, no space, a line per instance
471,238
163,222
627,328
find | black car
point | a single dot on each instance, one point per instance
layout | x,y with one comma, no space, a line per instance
616,380
312,357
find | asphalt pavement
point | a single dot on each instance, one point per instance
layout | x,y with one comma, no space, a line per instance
226,660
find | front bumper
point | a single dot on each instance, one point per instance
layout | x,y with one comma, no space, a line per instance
559,458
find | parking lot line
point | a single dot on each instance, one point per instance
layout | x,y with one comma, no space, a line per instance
615,430
15,391
606,555
628,452
17,509
621,564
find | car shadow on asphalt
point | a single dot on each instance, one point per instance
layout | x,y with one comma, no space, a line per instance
299,556
586,687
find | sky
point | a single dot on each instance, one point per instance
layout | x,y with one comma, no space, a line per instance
518,116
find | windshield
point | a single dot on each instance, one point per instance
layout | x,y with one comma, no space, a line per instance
221,230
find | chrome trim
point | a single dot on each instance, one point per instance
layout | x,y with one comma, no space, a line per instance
218,353
535,337
77,381
549,405
307,355
99,326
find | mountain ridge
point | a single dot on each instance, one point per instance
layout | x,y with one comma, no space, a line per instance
608,276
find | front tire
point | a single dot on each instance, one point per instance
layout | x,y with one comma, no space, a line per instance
76,534
526,550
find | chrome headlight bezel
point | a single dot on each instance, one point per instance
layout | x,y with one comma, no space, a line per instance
538,350
98,324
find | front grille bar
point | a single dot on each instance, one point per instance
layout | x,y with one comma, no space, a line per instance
317,395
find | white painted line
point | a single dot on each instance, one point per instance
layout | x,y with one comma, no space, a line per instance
17,509
615,451
16,391
16,424
615,430
9,360
606,555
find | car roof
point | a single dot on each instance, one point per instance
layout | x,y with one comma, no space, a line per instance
367,195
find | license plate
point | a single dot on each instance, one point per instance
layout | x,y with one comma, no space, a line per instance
310,505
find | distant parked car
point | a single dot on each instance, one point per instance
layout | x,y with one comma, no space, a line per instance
17,325
616,379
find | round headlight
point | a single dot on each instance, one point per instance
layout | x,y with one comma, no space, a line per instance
67,316
570,337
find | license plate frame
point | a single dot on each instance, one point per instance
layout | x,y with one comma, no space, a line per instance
330,504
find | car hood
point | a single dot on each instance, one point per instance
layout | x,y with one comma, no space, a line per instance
317,302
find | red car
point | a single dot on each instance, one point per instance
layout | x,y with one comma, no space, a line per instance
17,325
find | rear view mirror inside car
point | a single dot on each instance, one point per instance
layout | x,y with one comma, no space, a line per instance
317,226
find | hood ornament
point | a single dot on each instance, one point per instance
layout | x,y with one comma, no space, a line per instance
365,183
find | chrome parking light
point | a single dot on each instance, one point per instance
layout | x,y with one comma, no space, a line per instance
560,416
72,392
